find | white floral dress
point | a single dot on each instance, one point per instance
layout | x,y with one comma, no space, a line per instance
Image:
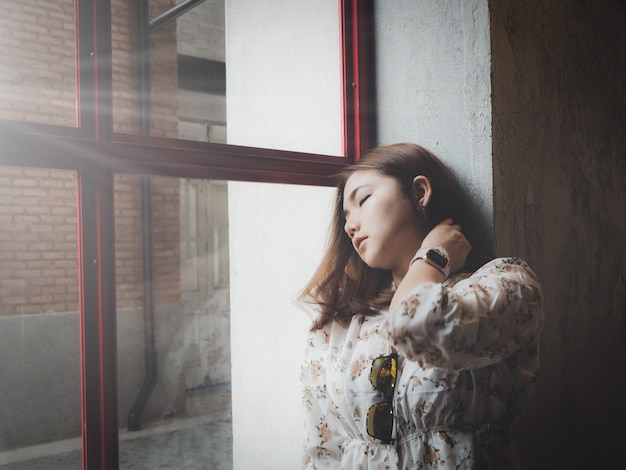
468,361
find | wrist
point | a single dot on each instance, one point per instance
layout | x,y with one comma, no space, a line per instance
437,257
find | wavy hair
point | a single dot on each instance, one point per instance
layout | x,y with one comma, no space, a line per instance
343,285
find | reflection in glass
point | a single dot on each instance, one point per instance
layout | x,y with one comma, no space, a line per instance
169,72
38,62
40,415
173,318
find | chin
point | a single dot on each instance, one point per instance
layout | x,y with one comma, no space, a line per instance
367,261
373,263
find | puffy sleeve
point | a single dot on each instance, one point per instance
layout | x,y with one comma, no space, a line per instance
476,322
322,439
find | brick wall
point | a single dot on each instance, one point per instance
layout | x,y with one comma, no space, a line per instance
38,240
38,65
125,64
163,71
37,62
129,240
166,239
164,74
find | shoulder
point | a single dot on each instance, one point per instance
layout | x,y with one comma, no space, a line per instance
332,333
510,274
334,337
500,267
319,338
504,264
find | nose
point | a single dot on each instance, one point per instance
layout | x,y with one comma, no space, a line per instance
350,227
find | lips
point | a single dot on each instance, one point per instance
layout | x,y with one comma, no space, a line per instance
357,242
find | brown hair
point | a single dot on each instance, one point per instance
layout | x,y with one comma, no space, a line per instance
343,284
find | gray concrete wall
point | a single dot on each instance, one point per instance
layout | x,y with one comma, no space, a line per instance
433,88
549,183
559,101
40,371
192,352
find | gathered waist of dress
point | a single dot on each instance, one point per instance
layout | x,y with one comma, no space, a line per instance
359,452
483,434
367,445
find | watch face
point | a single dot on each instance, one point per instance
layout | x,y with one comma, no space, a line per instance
437,258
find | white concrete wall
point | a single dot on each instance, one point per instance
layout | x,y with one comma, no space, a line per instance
277,236
433,89
282,94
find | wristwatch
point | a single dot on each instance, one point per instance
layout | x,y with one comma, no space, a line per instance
437,257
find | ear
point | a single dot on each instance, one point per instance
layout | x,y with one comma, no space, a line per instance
422,190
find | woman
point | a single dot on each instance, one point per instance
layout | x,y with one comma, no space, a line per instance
417,359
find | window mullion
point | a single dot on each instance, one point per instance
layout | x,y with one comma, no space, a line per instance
96,237
97,313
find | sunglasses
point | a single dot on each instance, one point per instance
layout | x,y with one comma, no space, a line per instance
380,415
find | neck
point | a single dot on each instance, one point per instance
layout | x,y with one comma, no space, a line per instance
400,271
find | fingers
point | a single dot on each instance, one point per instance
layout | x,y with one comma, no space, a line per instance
451,223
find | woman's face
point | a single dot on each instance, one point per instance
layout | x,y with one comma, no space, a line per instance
381,220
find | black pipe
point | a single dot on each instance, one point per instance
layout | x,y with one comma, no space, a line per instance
172,14
134,416
145,28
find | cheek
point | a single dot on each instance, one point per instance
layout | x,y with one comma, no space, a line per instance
396,214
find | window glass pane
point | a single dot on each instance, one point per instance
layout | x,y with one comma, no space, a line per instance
181,90
173,318
37,62
40,411
219,68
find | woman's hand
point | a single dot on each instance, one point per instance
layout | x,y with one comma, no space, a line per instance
448,236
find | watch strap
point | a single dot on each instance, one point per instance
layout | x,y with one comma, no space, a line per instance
437,257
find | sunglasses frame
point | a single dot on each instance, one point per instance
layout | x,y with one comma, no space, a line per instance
374,413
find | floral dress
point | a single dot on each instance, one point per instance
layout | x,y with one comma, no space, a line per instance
468,359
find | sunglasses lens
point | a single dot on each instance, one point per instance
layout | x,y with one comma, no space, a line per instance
380,415
380,421
383,374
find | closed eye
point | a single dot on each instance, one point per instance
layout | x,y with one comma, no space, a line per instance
364,199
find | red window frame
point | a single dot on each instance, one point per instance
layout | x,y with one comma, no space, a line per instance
30,144
96,153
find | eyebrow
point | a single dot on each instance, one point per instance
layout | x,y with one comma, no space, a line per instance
355,190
